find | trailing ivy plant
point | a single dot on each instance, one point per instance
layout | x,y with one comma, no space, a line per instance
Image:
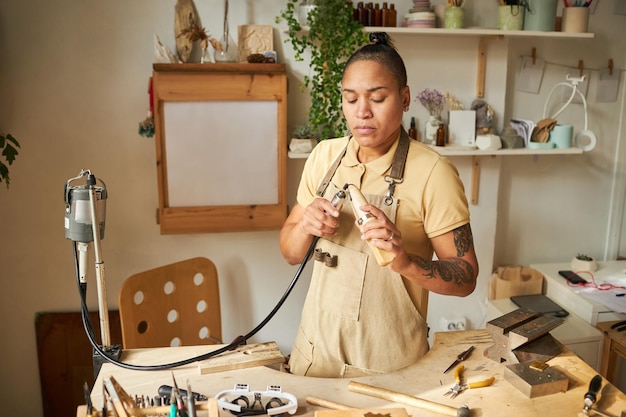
8,145
332,36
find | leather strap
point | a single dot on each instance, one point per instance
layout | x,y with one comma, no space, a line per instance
397,166
331,171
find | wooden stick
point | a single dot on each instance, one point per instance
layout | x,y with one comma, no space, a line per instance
326,403
401,398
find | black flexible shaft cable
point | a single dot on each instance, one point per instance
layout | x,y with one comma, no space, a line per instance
88,325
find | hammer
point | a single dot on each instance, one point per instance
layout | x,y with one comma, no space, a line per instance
388,395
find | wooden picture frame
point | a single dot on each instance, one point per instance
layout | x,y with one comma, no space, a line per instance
221,146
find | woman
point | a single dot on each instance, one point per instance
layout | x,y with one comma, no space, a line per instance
359,317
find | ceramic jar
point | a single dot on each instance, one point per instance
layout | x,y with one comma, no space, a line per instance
431,126
454,17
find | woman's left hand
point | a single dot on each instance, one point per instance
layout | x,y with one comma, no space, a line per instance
380,231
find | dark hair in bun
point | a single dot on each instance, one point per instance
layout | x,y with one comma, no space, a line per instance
381,50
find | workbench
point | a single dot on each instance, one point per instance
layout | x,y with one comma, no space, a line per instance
614,346
425,379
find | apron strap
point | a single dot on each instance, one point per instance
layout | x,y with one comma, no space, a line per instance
397,166
331,171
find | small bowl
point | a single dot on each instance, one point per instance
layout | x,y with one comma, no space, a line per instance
540,145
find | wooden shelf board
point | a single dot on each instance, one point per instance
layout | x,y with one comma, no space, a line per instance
448,151
502,152
479,32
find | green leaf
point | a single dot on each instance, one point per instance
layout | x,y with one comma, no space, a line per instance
4,173
12,140
9,153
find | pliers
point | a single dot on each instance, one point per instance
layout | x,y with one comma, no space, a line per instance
460,386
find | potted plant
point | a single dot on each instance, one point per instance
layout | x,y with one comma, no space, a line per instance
583,262
303,139
332,36
8,145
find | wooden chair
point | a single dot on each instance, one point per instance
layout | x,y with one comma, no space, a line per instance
173,305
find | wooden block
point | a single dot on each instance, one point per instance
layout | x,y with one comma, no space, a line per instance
356,412
246,356
504,324
533,330
533,382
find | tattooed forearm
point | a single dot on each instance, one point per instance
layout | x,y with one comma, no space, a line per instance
463,239
458,271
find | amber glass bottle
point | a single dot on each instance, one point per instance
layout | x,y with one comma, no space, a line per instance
385,14
393,16
412,129
441,135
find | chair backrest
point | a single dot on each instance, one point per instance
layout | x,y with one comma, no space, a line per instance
173,305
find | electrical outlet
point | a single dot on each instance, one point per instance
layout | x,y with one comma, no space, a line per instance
450,324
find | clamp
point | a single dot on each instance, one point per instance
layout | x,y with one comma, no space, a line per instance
460,386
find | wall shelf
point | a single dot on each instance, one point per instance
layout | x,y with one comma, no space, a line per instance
451,151
479,32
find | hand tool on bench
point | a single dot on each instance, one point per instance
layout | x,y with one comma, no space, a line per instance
408,400
326,403
591,396
460,358
88,400
460,386
180,405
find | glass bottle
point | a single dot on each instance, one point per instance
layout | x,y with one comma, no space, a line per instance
357,12
228,51
370,14
413,129
441,135
385,14
378,17
393,16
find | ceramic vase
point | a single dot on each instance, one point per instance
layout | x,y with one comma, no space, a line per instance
431,127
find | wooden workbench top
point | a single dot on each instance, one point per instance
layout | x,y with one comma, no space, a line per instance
425,380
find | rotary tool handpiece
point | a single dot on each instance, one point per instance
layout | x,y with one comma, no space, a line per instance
382,256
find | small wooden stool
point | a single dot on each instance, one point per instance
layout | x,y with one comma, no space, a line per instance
614,344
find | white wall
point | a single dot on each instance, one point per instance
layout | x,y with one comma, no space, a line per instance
74,88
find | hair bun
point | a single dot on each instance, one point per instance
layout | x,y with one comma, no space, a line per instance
379,38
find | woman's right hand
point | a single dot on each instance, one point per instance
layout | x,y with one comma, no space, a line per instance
320,218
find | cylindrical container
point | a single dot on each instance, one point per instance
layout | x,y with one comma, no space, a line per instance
511,17
440,14
393,16
540,15
561,136
441,136
454,18
575,19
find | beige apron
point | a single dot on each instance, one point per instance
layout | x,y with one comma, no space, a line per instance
358,317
